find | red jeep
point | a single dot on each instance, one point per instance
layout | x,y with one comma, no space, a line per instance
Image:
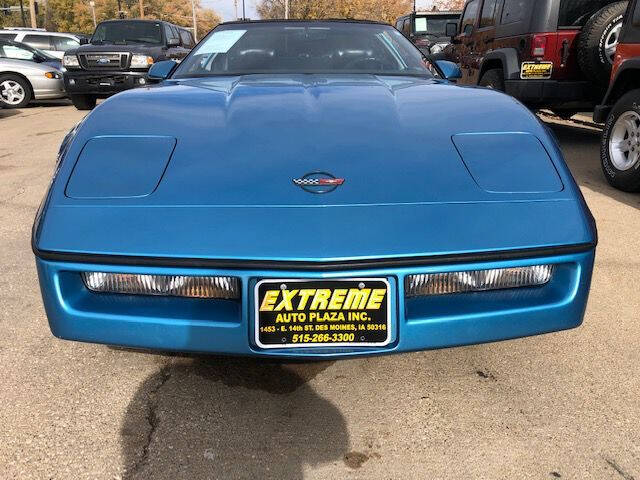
620,109
553,54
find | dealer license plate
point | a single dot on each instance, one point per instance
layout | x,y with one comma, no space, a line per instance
313,313
536,70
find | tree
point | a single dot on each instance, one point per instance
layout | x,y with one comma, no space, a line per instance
382,10
75,15
448,5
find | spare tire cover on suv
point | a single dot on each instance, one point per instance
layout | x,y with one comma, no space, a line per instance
598,40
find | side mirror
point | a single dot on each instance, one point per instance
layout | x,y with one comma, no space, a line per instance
173,42
161,70
450,70
451,29
84,41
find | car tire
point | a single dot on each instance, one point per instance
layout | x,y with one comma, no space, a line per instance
598,40
15,91
493,78
84,102
620,144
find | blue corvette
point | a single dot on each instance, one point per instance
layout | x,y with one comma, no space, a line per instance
310,189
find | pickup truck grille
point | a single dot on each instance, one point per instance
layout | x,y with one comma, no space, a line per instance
104,61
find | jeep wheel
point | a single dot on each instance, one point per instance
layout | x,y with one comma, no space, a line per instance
15,91
494,79
598,40
84,102
620,147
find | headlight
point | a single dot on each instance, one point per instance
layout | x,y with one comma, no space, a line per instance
167,285
437,48
52,75
70,61
141,61
477,280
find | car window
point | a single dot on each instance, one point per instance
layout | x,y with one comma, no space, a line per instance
170,33
469,17
62,44
7,36
13,51
513,11
575,13
433,25
406,26
487,17
187,39
38,41
127,32
325,47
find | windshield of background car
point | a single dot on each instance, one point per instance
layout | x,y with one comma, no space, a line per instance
22,52
126,33
291,47
435,26
575,13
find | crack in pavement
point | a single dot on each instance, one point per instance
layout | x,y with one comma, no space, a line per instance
619,469
163,376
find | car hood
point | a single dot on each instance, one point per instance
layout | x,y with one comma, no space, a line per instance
237,143
26,67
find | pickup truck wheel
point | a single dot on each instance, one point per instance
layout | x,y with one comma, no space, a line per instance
84,102
598,40
494,79
620,146
15,91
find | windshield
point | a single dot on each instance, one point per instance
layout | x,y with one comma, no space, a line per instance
433,25
129,32
22,51
303,47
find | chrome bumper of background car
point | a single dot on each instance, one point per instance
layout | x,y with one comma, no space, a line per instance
226,326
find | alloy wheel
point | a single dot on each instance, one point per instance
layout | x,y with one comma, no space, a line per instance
12,92
624,141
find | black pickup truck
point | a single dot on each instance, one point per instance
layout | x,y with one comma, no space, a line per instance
118,57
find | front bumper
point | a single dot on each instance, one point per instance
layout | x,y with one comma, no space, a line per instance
550,92
226,326
47,88
102,83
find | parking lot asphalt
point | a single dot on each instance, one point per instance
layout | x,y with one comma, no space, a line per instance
565,405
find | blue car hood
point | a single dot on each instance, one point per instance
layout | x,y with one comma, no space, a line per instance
235,144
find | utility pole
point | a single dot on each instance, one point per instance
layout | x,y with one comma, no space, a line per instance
286,9
235,6
244,13
141,5
195,24
32,12
92,4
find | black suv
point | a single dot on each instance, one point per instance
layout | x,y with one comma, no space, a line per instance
118,57
427,30
547,53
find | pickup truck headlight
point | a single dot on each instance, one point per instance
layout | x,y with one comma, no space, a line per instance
70,61
141,61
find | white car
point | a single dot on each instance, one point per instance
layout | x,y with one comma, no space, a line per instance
54,43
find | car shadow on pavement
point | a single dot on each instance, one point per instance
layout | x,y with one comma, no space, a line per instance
8,112
218,417
581,148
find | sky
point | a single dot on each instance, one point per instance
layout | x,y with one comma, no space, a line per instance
226,10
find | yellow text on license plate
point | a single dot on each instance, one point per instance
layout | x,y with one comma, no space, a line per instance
536,70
